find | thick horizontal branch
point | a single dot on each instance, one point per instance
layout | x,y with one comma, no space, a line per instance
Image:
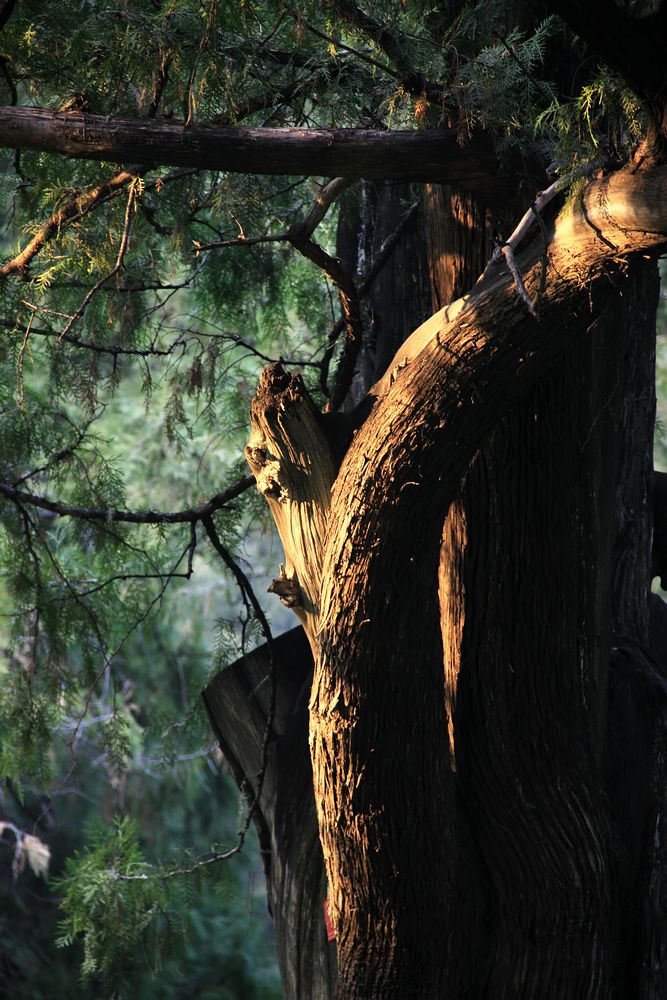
419,155
190,516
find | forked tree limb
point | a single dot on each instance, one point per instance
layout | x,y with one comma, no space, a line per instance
300,236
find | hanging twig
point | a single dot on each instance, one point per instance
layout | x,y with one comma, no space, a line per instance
527,221
510,260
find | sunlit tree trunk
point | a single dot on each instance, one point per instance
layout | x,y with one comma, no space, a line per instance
476,839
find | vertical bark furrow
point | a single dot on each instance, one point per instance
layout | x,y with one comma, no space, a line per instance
382,783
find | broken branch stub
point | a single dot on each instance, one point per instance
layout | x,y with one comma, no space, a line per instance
293,464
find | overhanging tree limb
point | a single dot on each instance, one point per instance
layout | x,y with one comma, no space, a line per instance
420,155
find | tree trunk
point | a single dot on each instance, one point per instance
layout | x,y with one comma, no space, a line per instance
473,852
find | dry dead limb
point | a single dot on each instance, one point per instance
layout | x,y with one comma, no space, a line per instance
532,215
513,267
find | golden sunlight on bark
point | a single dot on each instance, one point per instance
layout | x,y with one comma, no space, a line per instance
452,607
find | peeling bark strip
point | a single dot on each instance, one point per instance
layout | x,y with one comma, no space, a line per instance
420,155
379,730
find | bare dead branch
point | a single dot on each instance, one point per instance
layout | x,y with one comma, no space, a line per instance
248,596
514,270
531,216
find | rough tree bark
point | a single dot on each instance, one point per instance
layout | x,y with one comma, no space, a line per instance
388,833
286,817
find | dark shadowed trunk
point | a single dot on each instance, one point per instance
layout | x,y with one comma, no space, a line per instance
238,701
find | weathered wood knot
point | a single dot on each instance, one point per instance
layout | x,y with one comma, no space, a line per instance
288,589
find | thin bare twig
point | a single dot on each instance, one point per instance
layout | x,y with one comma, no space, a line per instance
527,221
513,268
60,456
246,589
